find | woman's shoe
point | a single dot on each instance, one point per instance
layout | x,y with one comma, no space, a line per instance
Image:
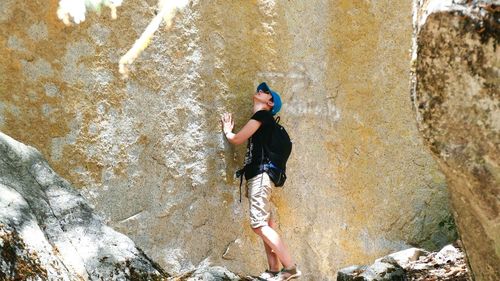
267,275
287,274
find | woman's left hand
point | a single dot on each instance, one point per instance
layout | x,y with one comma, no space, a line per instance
227,122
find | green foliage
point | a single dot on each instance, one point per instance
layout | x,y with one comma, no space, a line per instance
448,223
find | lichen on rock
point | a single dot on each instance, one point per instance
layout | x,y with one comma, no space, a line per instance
457,99
16,261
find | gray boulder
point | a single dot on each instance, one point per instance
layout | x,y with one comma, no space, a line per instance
448,264
208,273
385,269
49,232
412,264
405,257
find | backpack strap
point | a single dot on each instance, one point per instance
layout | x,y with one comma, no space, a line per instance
241,183
240,173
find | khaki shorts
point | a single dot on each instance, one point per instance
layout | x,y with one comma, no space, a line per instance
259,190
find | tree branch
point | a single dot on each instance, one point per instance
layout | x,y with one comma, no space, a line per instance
168,10
73,11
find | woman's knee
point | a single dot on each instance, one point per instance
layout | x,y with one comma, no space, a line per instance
272,223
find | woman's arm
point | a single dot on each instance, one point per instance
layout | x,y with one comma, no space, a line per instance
246,132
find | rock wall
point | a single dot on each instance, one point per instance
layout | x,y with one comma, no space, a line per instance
49,232
148,152
457,99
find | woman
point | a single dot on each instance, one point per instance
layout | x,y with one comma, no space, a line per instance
266,103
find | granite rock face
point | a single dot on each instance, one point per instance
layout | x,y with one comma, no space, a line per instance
148,152
457,99
49,232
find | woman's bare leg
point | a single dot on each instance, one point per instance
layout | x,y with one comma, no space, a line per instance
272,257
274,241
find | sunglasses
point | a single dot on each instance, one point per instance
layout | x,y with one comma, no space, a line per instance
266,92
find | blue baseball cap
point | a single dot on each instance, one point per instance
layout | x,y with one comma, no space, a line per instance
276,97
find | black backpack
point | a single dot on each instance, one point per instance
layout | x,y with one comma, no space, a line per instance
276,150
275,153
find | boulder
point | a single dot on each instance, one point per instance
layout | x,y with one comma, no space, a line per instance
447,264
385,269
49,232
210,273
403,258
457,99
449,254
351,272
414,264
